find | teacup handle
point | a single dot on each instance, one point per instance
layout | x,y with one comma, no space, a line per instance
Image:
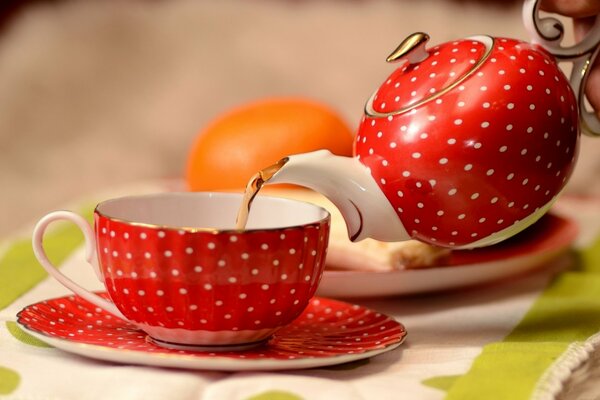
90,257
548,32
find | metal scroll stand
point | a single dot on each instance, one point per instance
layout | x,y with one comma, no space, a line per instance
548,32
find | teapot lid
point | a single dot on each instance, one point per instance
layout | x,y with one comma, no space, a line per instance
427,73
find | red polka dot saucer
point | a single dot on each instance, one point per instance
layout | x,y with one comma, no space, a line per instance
328,332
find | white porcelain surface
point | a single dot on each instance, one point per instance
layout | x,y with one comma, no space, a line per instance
350,186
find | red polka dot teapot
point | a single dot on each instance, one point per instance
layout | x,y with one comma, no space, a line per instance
465,144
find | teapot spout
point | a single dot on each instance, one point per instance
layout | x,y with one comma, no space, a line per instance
350,186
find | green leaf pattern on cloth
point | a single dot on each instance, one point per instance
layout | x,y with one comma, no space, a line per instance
590,258
275,395
568,311
23,336
9,380
443,382
20,270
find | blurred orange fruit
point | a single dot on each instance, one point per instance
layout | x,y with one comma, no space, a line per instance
231,149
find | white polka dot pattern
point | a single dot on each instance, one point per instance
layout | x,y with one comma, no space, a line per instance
412,83
211,281
502,145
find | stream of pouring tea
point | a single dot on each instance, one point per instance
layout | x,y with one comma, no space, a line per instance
256,182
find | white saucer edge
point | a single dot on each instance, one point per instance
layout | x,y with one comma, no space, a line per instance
210,363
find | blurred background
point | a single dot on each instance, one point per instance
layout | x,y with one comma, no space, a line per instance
96,94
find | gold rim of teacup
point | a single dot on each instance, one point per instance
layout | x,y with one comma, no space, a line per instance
214,231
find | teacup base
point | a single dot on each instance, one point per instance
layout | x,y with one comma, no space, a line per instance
205,338
207,348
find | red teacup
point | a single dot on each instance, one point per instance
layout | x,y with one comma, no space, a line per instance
174,266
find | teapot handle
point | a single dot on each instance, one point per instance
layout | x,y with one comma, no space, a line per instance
548,32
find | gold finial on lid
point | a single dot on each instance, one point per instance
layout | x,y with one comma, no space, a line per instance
412,49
